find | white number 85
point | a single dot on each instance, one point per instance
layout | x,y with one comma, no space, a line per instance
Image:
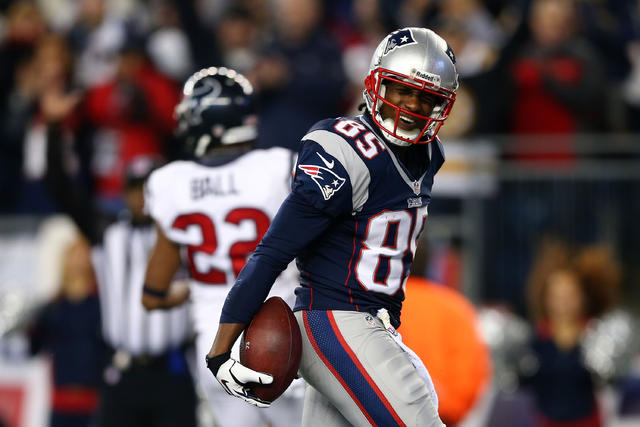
391,236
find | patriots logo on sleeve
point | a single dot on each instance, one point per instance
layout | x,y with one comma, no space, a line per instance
326,179
398,39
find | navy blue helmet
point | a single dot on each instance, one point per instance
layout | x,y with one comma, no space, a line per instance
217,109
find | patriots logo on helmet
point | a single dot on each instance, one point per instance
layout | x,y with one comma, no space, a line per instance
326,179
450,54
398,39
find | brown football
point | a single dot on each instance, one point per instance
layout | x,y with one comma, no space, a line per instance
272,344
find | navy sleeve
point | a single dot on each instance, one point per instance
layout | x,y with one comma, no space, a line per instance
322,181
296,224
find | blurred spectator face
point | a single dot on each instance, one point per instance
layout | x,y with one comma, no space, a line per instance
297,18
130,63
25,23
458,8
47,70
552,22
418,6
77,271
236,35
260,12
165,15
564,298
235,32
367,12
52,62
92,12
455,35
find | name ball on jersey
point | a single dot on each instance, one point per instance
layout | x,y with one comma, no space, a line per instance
272,344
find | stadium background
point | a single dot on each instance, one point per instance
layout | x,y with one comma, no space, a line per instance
542,143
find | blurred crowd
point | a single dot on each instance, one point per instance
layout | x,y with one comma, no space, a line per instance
105,75
108,73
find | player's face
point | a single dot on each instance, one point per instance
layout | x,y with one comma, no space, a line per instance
413,100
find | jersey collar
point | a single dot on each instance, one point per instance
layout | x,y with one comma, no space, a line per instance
414,185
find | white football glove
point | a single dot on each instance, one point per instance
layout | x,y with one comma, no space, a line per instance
236,379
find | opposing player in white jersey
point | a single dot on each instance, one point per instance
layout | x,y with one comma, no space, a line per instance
217,207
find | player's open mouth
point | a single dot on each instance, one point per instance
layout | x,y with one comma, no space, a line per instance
407,120
409,123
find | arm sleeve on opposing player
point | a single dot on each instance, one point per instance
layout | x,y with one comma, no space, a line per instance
295,226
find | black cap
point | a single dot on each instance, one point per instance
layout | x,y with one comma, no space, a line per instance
139,168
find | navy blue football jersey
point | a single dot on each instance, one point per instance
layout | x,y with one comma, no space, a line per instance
361,262
352,222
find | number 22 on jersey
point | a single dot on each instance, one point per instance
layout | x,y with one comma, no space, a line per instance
238,250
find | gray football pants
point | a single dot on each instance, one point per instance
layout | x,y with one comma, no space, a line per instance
358,375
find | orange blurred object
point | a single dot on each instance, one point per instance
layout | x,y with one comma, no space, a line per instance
440,325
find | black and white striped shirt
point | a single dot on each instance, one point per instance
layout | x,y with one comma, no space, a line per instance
120,263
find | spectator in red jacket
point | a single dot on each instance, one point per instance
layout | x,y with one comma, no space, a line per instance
557,83
130,115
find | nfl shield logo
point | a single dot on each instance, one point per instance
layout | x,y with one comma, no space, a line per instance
416,187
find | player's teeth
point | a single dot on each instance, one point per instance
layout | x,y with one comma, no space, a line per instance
406,119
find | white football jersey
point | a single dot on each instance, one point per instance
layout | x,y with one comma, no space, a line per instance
219,213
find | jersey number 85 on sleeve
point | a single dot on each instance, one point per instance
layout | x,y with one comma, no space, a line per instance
238,250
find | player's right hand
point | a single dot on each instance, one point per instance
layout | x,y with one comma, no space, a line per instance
236,379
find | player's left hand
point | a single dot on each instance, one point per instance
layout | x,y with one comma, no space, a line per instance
236,378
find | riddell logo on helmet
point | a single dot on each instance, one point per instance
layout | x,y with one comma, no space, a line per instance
434,79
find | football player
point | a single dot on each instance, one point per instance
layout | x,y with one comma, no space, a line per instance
357,207
217,206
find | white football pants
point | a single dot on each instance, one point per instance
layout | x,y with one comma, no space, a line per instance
358,374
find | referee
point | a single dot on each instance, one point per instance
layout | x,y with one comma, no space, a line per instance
146,378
